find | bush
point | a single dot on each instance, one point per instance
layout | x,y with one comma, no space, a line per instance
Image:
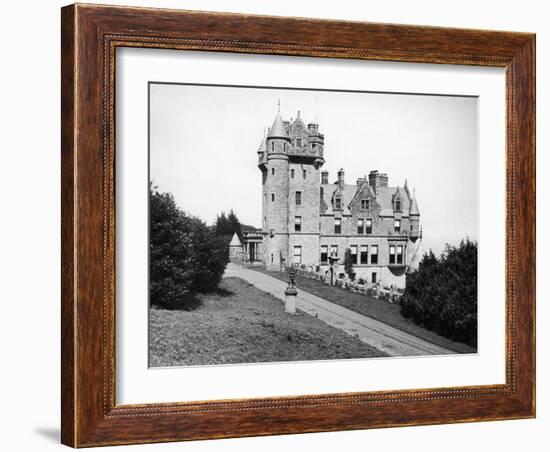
442,294
185,255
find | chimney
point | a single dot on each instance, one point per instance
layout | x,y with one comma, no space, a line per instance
312,127
374,180
324,177
361,181
383,178
341,178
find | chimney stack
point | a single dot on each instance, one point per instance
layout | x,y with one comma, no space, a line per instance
324,177
341,178
374,181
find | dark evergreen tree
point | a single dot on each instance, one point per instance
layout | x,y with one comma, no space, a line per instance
185,255
442,294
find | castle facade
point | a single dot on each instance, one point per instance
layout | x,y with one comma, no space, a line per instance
311,222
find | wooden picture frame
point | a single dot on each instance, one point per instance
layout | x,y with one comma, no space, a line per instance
90,35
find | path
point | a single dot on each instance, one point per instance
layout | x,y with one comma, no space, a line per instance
388,339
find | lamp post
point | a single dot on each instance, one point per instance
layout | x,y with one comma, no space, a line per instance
291,293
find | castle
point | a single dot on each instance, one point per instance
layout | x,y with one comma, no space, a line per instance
310,222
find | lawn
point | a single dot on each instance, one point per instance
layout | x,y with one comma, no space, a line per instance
242,324
383,311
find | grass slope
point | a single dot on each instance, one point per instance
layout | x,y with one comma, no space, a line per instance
371,307
242,324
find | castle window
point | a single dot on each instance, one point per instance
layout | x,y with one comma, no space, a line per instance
398,206
297,224
337,225
272,171
360,225
292,173
272,145
373,277
392,254
299,142
334,250
353,251
298,254
338,203
397,226
364,254
399,256
271,257
298,198
411,227
364,204
272,197
324,254
374,254
369,226
304,173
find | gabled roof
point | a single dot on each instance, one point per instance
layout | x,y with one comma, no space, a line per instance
349,192
278,129
385,197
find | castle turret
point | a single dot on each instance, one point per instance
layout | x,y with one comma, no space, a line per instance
276,193
291,192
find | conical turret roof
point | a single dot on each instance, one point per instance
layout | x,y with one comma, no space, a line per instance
235,240
413,210
261,147
417,256
278,129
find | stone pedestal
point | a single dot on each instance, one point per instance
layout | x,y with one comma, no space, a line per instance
290,300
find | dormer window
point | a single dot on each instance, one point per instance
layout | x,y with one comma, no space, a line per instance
338,203
398,206
364,204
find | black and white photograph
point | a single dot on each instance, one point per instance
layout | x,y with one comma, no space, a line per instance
303,225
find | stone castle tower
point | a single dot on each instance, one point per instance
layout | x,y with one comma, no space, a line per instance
290,158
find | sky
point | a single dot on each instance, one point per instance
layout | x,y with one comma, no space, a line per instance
204,139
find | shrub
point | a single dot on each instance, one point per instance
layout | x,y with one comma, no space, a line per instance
185,255
442,294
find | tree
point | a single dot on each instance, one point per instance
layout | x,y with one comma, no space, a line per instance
185,255
442,294
227,225
348,264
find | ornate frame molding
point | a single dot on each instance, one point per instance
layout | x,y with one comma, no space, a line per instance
90,37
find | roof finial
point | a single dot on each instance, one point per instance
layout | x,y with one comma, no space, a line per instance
279,106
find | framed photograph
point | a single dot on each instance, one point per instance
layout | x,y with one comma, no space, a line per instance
281,225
